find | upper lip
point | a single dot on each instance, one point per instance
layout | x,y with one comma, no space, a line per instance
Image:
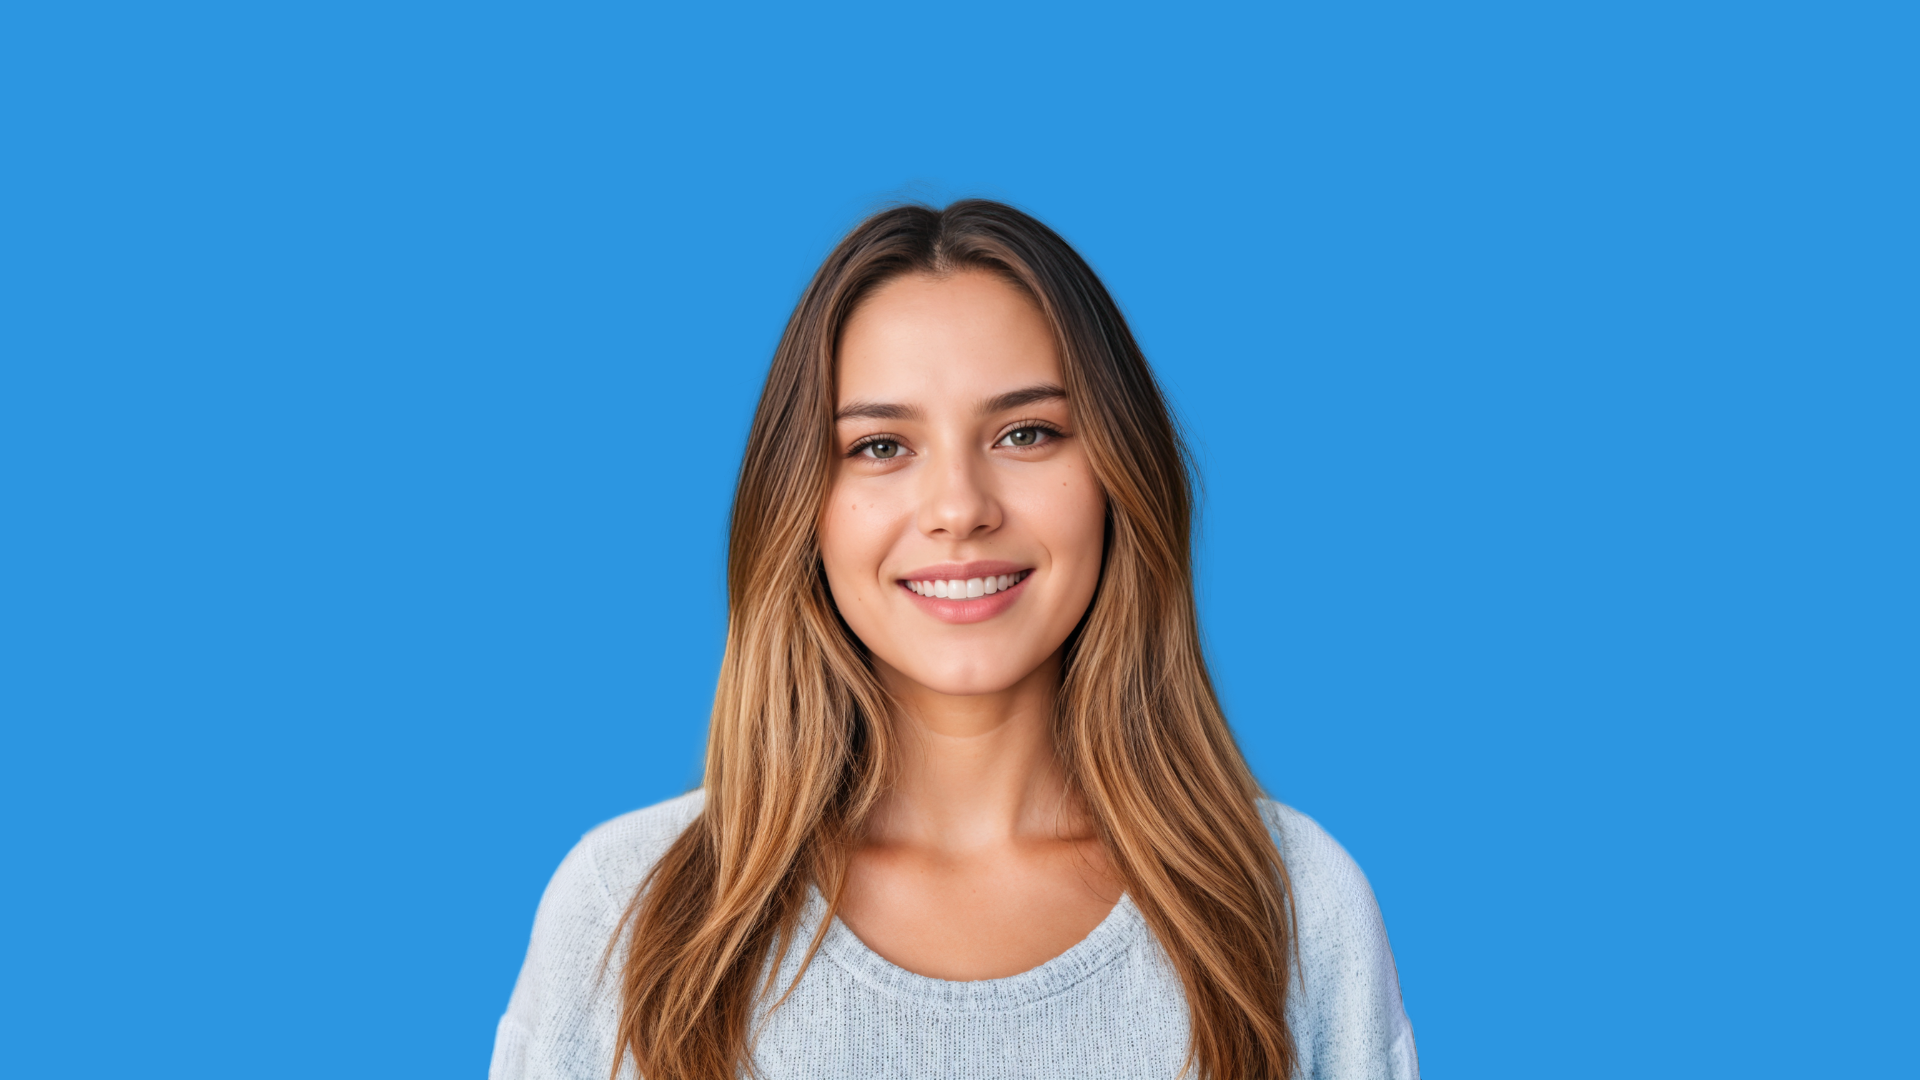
963,570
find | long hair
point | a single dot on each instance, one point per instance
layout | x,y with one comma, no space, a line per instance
800,745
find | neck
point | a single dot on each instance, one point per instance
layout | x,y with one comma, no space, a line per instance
974,771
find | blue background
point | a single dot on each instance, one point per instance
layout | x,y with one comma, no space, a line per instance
373,377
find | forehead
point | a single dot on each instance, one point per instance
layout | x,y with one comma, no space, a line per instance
960,337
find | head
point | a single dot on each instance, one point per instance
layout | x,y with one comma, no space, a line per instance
957,399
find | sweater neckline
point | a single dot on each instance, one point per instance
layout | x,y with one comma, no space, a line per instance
1106,942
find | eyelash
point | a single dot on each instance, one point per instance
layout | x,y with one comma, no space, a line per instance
872,440
1030,425
1053,432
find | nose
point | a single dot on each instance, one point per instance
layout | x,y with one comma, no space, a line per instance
956,502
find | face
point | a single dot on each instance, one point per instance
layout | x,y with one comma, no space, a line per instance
962,540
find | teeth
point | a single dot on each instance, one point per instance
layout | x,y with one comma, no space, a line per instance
957,589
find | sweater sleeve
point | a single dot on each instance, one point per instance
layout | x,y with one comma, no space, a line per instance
1345,1007
560,1021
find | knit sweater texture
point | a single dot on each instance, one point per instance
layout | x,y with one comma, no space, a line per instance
1110,1006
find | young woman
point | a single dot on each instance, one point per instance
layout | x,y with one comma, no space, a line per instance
970,808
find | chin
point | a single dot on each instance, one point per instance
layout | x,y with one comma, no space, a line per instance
968,680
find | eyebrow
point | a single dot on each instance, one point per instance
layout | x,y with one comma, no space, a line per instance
1012,399
876,410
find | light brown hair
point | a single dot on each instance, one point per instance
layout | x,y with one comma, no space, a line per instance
800,744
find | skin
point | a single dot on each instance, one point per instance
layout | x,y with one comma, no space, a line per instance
977,864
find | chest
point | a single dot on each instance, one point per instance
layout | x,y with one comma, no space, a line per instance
985,917
1123,1015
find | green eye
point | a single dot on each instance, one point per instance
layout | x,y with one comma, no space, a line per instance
883,449
1026,436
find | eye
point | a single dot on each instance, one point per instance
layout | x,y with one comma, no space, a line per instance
881,449
1026,436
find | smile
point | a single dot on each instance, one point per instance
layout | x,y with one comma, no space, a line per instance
966,592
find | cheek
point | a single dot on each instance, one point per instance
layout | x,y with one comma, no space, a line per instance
1069,516
1083,530
853,538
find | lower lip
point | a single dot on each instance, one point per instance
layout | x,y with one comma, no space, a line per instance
976,609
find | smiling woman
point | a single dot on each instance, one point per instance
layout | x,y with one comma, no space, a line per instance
970,806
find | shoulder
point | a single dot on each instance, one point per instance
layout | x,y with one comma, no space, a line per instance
564,1009
598,877
628,846
1320,871
1333,904
1348,1016
622,851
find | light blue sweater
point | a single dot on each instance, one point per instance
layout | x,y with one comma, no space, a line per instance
1111,1006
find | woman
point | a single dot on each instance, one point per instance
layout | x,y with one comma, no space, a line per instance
971,808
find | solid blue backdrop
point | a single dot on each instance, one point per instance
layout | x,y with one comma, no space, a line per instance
373,378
